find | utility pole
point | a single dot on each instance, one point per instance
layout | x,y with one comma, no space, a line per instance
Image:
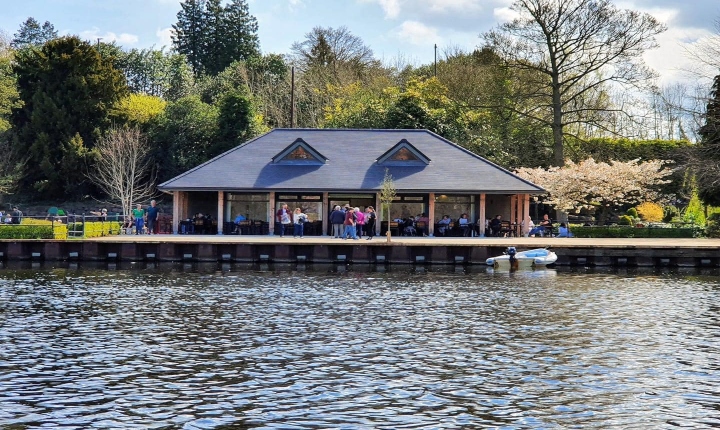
292,97
435,60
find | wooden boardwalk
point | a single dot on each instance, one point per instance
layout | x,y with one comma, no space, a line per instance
521,242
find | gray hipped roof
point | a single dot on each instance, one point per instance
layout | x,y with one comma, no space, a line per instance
349,164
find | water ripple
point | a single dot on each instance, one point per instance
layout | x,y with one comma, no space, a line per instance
398,350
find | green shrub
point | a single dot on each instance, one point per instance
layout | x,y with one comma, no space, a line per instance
632,232
28,231
713,226
625,220
650,212
96,228
632,213
670,213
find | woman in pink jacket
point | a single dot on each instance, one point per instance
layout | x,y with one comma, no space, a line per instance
360,222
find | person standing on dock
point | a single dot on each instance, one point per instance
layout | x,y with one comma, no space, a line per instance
299,219
284,218
350,222
152,217
370,222
337,218
138,214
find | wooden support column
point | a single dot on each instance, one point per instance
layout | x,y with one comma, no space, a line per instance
526,211
483,216
431,214
271,214
326,212
513,210
220,212
176,211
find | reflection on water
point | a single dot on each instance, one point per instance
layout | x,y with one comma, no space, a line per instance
150,345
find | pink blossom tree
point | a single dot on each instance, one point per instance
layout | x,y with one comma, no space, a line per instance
605,186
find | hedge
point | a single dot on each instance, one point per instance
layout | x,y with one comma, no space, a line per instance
34,230
636,232
96,228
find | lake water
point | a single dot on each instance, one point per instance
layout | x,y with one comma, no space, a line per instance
239,347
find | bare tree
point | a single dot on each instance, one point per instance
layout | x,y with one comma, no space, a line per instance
569,52
124,167
340,54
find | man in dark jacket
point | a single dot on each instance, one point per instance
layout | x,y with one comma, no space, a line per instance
16,215
337,218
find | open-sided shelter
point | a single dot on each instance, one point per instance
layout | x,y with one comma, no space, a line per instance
316,169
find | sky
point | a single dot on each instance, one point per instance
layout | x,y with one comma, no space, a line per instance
398,31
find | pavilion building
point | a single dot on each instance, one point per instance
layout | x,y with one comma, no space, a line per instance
316,169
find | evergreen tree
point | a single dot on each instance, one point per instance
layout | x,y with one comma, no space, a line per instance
707,155
240,33
67,89
188,37
213,36
31,33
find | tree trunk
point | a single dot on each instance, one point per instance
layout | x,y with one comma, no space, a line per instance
557,125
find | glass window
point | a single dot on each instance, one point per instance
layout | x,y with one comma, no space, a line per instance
251,206
454,206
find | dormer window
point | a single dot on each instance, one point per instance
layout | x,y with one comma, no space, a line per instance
299,152
403,154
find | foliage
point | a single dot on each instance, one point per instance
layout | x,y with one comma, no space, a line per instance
694,212
625,220
632,213
9,97
607,185
92,229
31,33
713,226
155,72
568,52
634,232
704,161
341,56
650,212
184,135
68,90
31,228
212,36
124,169
138,109
623,149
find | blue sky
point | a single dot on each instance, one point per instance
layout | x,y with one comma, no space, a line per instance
404,30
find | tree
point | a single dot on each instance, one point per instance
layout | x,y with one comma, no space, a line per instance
31,33
9,97
184,136
704,160
569,52
212,36
604,186
67,89
124,167
188,36
340,55
156,72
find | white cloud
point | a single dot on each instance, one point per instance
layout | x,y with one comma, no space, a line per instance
504,14
164,36
122,39
672,59
417,33
390,7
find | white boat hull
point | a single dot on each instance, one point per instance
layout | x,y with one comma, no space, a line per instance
530,258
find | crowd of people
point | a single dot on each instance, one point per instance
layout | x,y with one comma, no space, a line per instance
351,222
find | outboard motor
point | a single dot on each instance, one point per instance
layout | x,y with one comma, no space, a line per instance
511,251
